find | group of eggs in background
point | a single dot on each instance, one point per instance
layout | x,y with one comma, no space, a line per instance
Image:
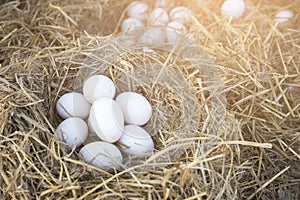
176,18
163,15
115,122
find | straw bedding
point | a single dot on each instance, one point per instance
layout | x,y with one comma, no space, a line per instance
256,155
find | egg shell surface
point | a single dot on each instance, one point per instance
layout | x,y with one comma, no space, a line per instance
158,17
106,119
175,28
136,108
283,16
90,126
130,24
233,8
72,131
98,86
165,4
135,140
73,104
138,10
181,14
153,36
101,154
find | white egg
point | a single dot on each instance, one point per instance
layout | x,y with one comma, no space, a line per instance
175,29
153,36
138,10
158,17
136,108
165,4
90,126
130,24
98,86
103,155
283,16
73,105
72,131
180,13
233,8
106,119
135,140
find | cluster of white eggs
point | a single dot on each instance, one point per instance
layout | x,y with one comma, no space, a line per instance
162,15
117,122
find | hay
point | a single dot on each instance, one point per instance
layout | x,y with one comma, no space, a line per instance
256,155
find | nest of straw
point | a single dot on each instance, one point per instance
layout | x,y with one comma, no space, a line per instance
256,155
